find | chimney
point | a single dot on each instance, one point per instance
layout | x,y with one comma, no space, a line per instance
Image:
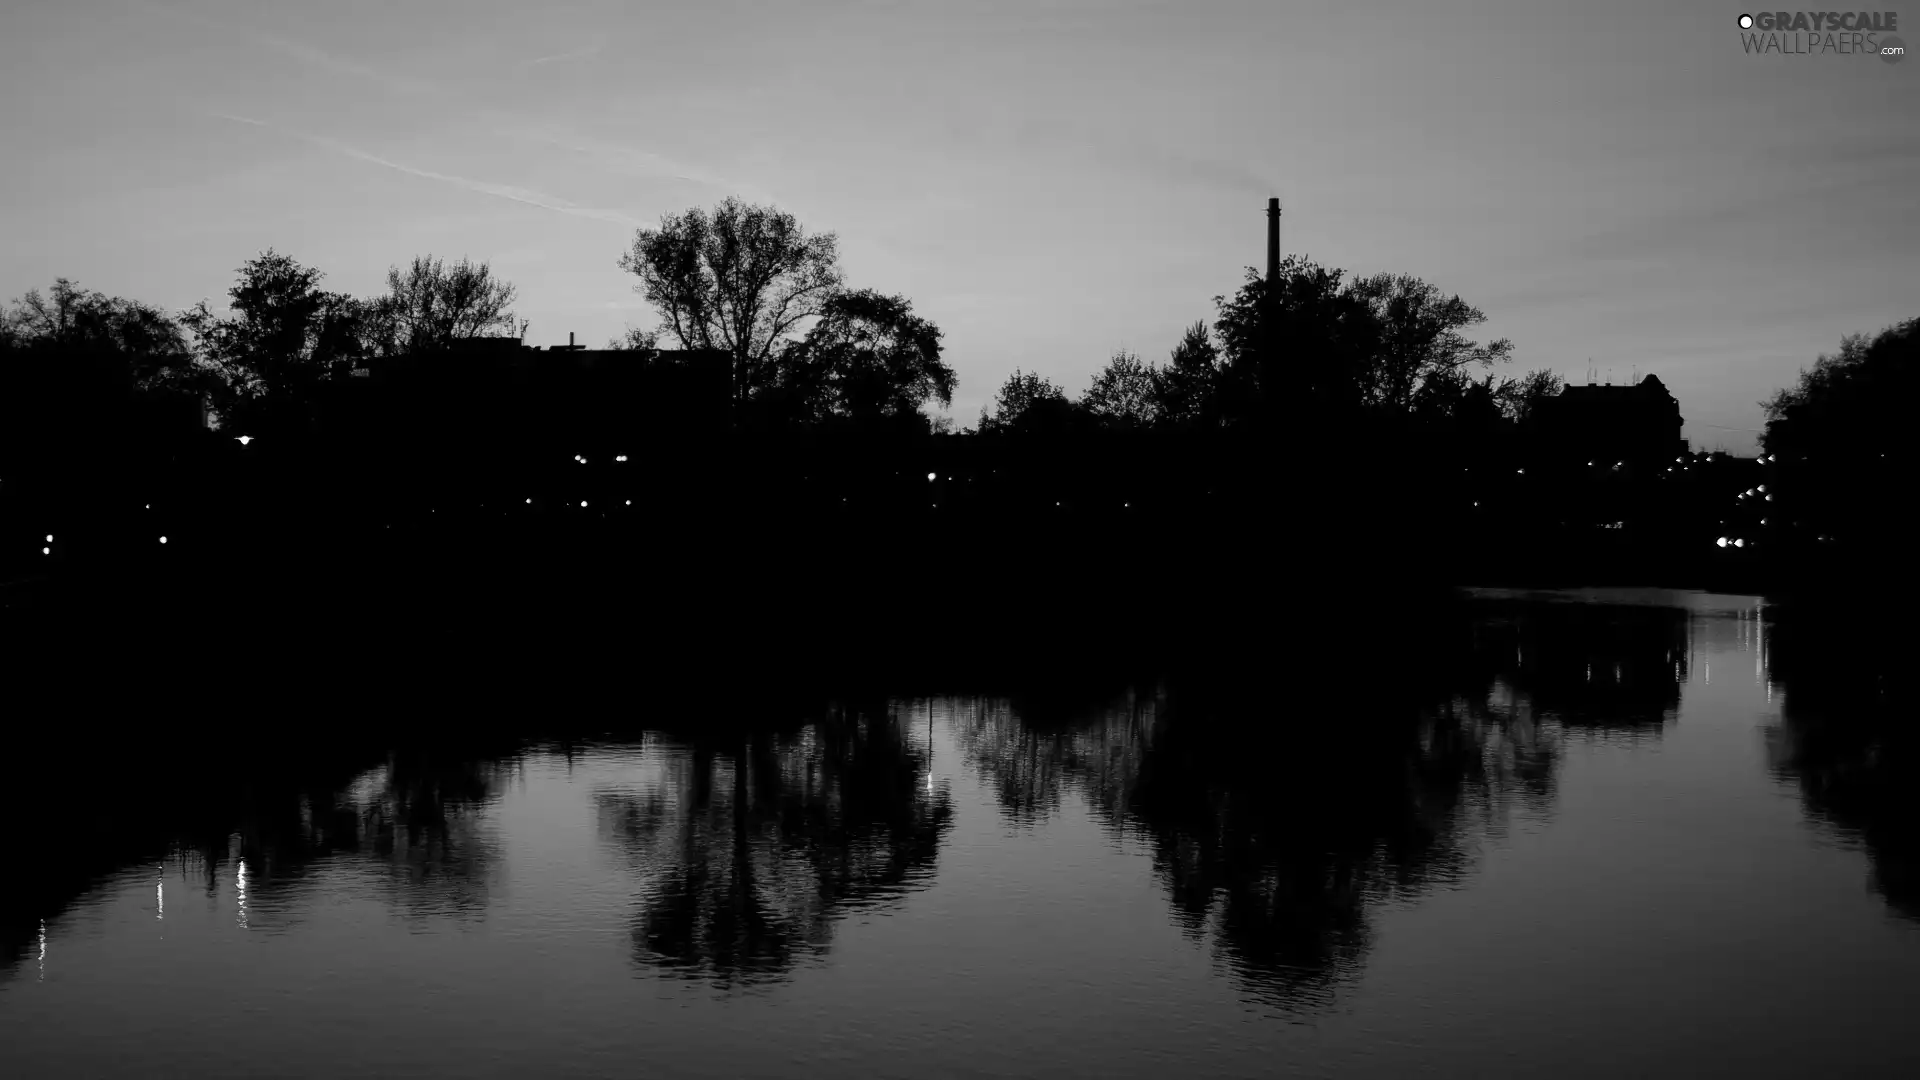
569,339
1273,243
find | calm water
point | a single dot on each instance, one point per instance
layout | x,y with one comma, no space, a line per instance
1603,842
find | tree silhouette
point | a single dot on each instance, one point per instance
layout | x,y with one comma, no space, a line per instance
869,358
73,360
1837,440
1187,389
741,279
1521,398
1420,337
429,306
754,840
283,336
1374,343
1123,394
1028,402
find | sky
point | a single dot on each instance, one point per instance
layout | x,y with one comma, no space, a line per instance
1619,186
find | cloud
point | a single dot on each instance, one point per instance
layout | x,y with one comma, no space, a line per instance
526,196
307,53
577,54
638,162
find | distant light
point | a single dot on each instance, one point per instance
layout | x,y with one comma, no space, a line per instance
929,478
583,504
1762,487
629,502
46,551
1740,543
49,538
245,439
529,502
620,457
163,539
149,506
1722,541
1769,498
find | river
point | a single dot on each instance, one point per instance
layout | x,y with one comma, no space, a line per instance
1606,838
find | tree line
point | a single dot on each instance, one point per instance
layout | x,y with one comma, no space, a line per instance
806,350
1313,350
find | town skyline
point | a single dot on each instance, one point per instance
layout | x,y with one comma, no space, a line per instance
1049,186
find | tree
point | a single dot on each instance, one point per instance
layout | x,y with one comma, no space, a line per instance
116,340
1521,398
1027,402
870,358
284,335
429,306
741,279
1837,440
636,340
1420,338
1311,344
1123,395
1185,391
75,361
1300,345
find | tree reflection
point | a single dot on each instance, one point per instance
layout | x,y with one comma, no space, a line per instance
1612,667
1277,816
752,841
1847,736
284,812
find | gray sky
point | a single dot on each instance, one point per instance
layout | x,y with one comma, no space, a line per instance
1048,180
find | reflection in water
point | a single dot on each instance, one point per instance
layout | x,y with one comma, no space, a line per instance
1847,738
413,820
751,843
1275,820
1614,669
1286,819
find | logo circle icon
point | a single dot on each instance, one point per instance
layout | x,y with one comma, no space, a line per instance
1892,49
1746,22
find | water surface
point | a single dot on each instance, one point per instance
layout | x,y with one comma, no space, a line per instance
1600,838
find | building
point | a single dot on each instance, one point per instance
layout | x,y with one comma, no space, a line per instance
500,389
1639,422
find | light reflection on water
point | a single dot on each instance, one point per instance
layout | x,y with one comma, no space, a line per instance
1570,834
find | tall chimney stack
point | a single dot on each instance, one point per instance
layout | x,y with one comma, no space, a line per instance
1273,243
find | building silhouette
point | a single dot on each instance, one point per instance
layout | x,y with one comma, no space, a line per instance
1638,423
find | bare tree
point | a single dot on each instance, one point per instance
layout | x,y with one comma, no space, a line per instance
430,305
741,279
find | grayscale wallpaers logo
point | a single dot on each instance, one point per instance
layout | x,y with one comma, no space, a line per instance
1810,33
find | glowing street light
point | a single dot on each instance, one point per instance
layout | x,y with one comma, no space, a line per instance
244,439
1722,542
